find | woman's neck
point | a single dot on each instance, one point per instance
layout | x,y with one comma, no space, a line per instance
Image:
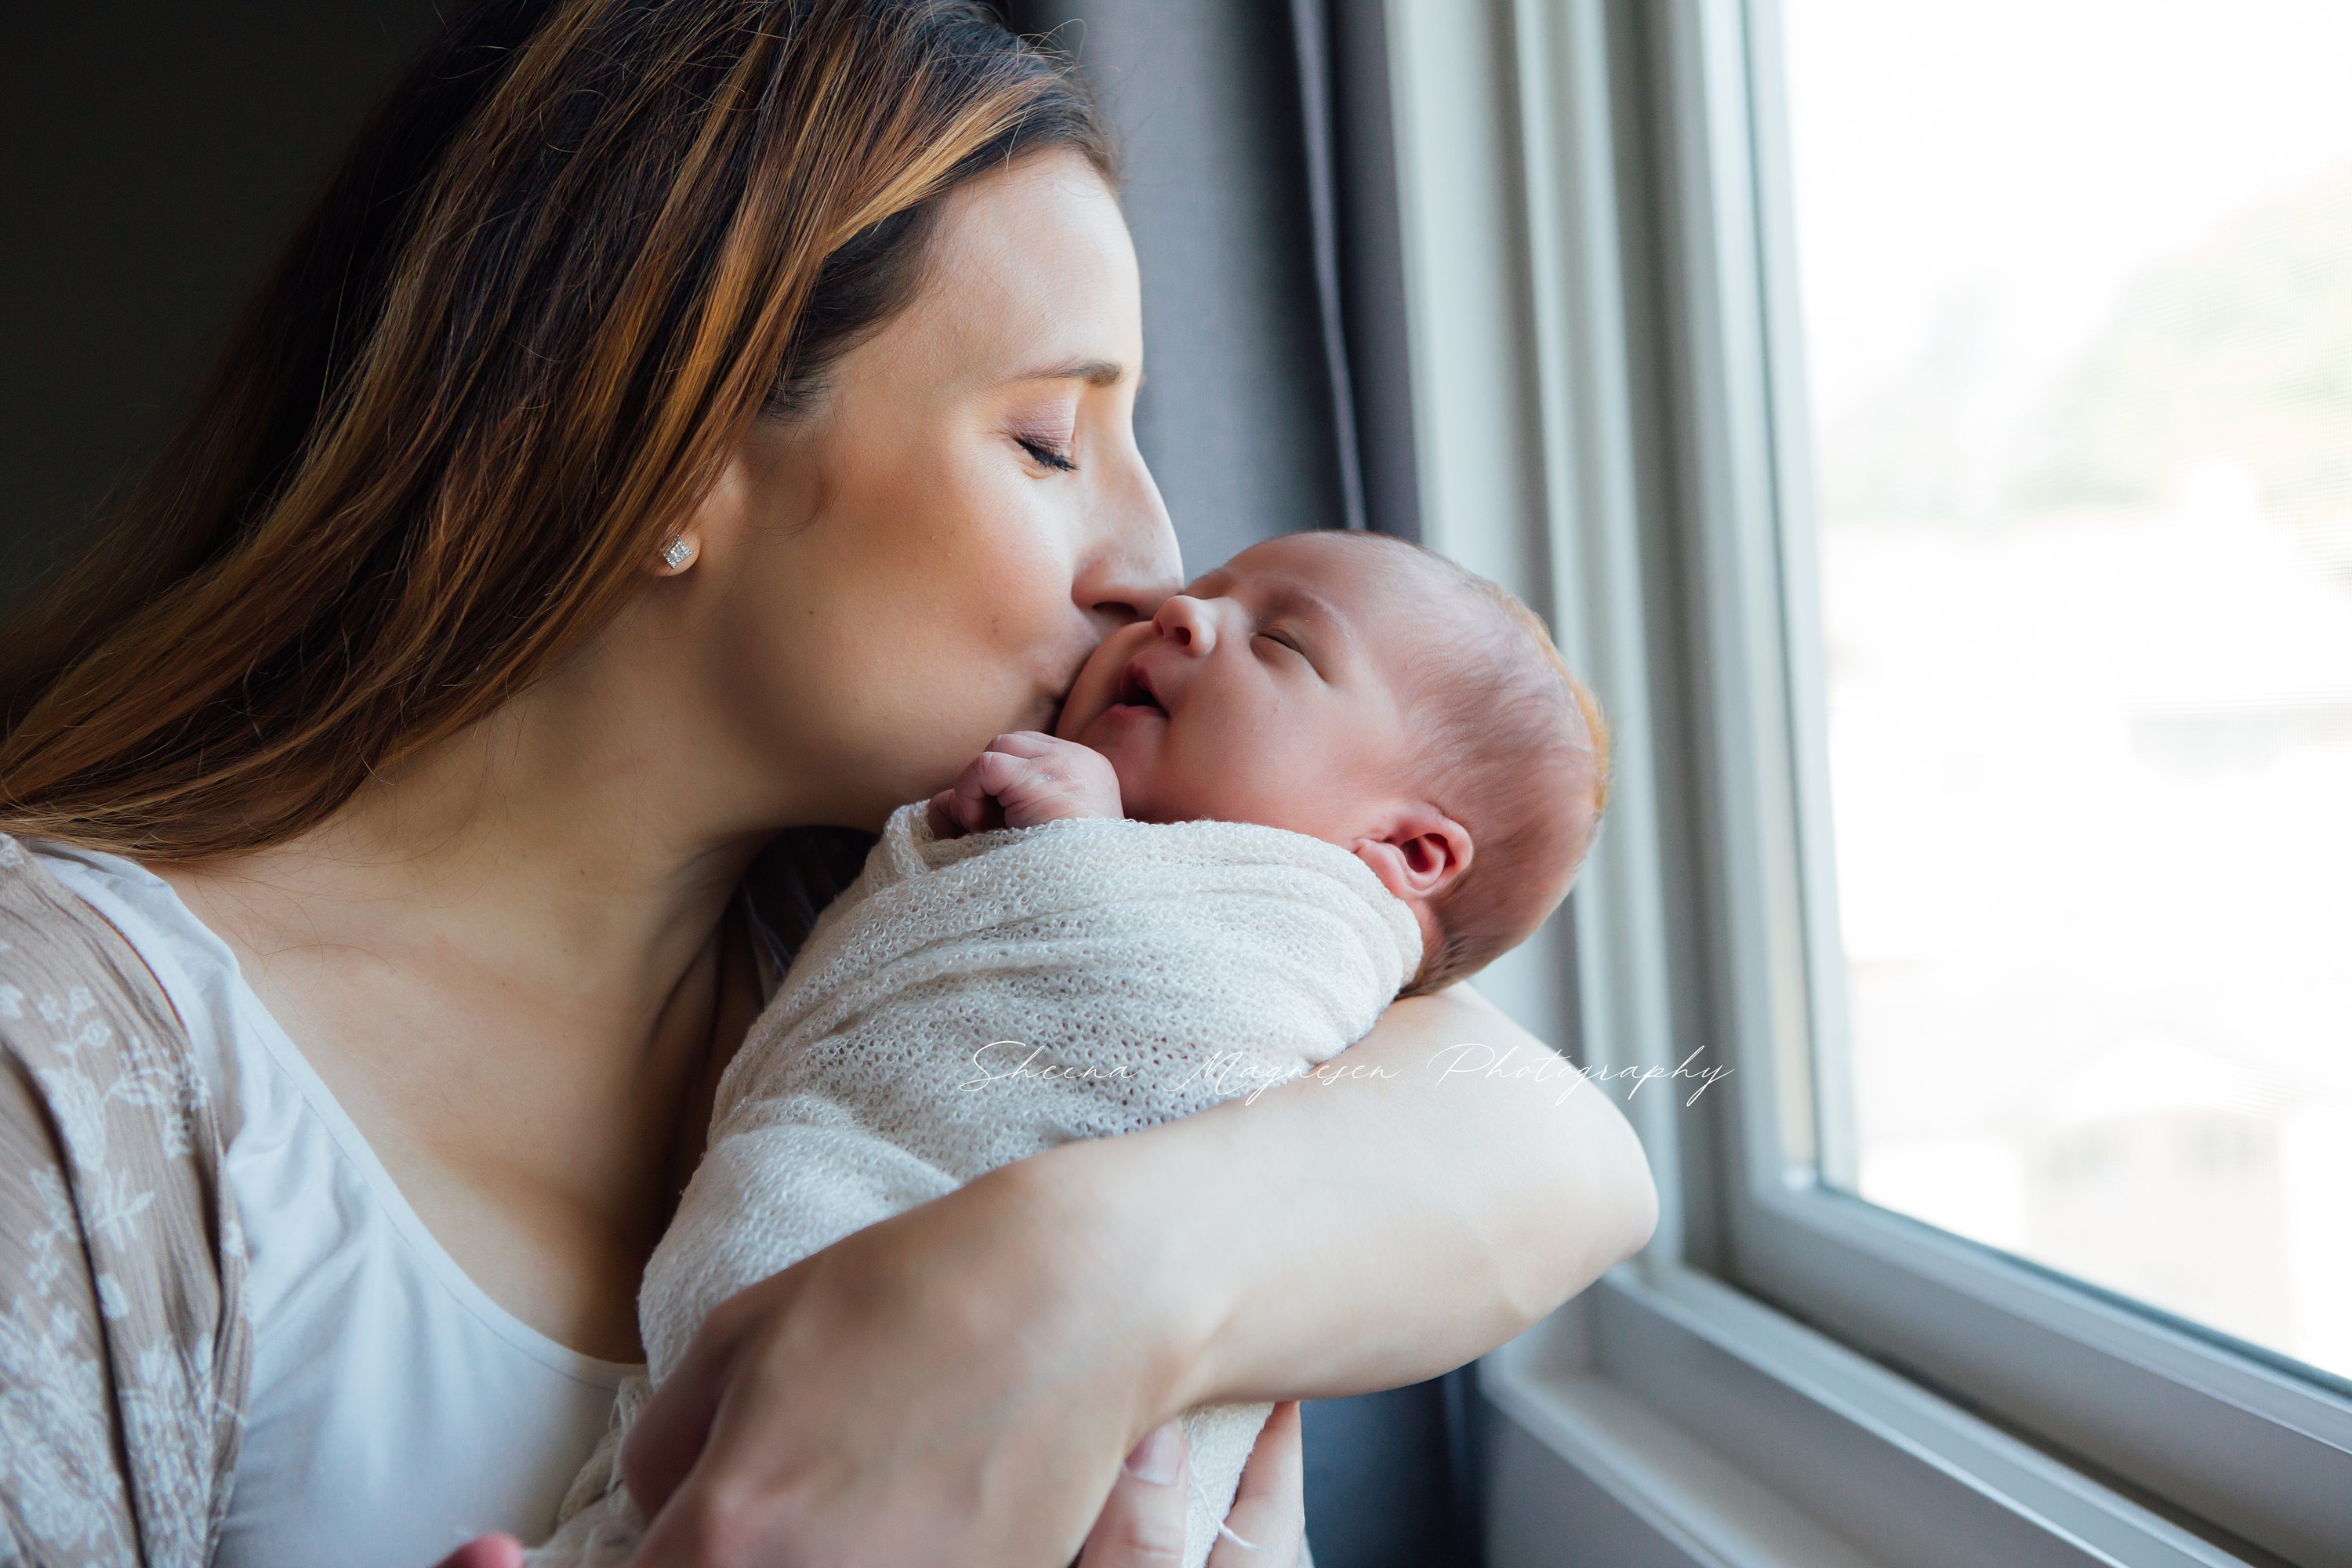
563,875
580,844
509,959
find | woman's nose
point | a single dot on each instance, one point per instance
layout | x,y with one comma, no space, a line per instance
1134,561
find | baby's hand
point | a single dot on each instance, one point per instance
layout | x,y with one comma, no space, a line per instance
1026,778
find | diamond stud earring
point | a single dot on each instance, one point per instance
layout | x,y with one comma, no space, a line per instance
679,554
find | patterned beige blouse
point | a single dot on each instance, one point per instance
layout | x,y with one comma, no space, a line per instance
124,1336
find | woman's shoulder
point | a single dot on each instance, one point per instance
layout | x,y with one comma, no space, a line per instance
53,944
112,1211
90,1039
87,931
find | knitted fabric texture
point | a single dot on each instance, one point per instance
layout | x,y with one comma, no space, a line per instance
971,1001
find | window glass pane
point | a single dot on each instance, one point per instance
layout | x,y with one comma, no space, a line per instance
2075,280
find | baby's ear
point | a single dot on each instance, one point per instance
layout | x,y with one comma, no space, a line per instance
1418,854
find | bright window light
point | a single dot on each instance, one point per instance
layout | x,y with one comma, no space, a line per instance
2076,294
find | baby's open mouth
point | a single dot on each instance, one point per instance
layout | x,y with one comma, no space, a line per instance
1134,693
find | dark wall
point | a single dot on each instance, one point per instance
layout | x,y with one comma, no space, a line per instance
154,156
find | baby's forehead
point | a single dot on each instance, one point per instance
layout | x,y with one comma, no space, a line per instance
1379,583
1348,567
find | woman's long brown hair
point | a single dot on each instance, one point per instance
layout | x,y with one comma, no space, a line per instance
582,247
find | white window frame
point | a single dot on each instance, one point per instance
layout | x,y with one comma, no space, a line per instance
1607,387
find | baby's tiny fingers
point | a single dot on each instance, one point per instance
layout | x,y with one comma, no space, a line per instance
945,823
993,772
974,783
1026,743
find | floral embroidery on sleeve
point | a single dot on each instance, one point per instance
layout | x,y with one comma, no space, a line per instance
124,1345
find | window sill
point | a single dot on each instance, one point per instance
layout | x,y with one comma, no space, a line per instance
1666,1418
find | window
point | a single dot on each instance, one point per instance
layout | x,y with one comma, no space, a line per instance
2074,281
1931,428
1947,476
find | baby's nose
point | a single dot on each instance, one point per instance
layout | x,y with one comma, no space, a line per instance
1186,622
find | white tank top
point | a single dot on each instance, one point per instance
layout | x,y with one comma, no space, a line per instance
395,1410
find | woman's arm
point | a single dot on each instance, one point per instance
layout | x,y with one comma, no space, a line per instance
960,1382
1374,1224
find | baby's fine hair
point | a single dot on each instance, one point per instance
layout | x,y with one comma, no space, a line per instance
1514,747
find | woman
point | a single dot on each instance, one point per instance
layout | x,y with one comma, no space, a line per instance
684,432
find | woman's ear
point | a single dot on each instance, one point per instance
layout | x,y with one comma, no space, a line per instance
771,476
1418,854
726,507
681,547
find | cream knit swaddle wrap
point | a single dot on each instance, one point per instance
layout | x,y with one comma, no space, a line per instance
1153,969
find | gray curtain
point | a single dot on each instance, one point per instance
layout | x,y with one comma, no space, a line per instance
1261,191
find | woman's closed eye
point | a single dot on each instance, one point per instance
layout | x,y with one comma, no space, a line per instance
1047,451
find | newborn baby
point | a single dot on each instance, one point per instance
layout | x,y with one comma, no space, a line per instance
1337,767
1350,686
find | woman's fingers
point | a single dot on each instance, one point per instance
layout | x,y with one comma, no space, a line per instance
941,1386
1270,1506
486,1552
1142,1525
670,1433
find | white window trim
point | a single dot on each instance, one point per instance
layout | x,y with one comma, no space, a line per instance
1751,1440
1517,123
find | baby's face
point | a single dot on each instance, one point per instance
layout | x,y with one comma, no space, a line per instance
1265,692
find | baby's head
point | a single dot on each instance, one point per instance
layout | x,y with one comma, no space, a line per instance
1368,691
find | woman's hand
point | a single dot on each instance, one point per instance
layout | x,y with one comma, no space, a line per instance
1143,1524
957,1383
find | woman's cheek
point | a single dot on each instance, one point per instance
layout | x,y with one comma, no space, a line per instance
1028,586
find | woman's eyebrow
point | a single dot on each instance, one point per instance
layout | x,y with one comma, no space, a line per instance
1093,372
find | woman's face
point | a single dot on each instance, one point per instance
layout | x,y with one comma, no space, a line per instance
926,561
